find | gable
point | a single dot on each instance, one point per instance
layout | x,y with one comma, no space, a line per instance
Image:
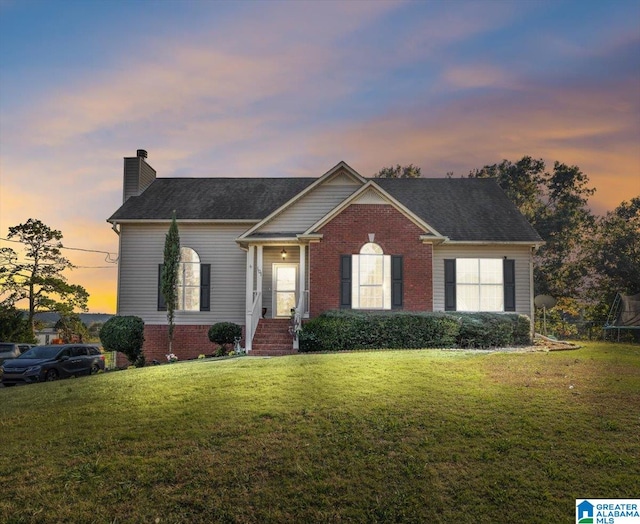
327,192
371,194
310,208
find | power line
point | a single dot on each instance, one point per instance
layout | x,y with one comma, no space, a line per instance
94,267
107,253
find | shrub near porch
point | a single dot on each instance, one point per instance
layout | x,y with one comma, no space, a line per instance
348,329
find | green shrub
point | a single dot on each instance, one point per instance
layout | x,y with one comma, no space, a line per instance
336,330
521,329
126,335
348,329
224,333
485,330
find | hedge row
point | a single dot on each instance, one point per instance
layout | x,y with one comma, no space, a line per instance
345,330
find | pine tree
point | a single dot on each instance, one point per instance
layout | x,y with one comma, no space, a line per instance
170,273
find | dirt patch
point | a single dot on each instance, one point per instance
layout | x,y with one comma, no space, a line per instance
546,344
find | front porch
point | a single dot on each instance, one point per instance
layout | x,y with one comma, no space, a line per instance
277,295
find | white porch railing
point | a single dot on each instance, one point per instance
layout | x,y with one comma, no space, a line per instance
302,311
254,318
305,306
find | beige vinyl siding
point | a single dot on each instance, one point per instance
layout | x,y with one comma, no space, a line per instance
521,255
142,248
310,208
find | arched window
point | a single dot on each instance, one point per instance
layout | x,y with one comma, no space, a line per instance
371,278
189,280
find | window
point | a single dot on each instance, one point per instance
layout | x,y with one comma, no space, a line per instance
193,283
479,284
188,280
371,278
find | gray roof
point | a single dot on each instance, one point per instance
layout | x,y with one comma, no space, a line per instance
211,198
464,209
470,209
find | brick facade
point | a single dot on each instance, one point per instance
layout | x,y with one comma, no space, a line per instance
188,342
348,232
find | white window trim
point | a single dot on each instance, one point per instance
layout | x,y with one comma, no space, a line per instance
356,286
479,285
182,287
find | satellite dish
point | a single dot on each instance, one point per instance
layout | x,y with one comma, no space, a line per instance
545,301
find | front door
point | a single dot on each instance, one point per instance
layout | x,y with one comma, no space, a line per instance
285,285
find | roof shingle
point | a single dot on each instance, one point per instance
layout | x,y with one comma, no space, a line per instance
463,209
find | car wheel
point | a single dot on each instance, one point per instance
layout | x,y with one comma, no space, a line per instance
95,369
51,375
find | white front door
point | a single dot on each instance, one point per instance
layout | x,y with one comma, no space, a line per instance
285,286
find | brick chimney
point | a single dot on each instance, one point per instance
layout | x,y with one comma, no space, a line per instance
138,175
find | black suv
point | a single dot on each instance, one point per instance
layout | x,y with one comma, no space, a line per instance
12,350
45,363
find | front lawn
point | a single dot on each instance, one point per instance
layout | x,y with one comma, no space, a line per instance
389,436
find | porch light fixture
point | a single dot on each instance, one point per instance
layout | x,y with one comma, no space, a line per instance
283,253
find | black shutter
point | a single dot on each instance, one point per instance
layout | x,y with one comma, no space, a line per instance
509,274
345,281
205,287
450,284
397,286
162,305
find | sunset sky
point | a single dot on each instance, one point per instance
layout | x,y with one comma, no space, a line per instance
291,88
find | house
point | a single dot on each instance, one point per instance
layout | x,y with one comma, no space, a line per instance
584,512
254,249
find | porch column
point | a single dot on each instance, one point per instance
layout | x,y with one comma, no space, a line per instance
302,277
259,264
248,326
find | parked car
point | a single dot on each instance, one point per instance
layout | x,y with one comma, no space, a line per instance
45,363
12,350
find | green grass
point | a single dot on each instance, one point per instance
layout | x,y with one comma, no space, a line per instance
389,436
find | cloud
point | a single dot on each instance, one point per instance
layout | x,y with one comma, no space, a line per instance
597,129
476,76
289,89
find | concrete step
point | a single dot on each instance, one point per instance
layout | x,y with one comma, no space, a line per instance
268,345
271,352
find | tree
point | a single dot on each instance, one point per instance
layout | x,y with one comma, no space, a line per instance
13,325
169,276
93,331
614,256
399,171
556,206
565,223
126,335
71,328
38,279
523,182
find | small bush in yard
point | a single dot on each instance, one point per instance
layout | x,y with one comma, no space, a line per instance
224,333
521,329
126,335
484,330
